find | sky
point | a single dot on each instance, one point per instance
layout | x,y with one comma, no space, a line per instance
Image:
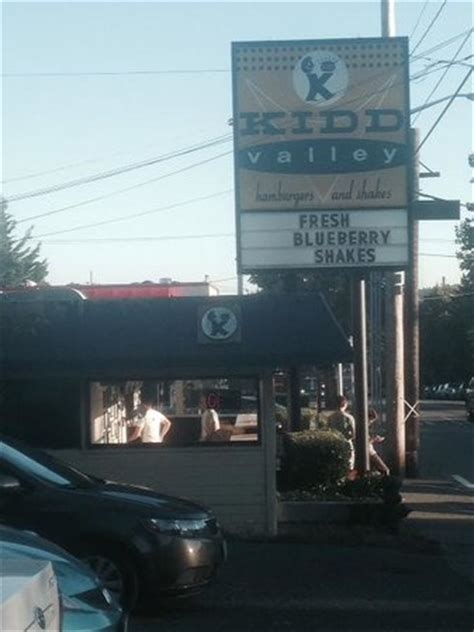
94,88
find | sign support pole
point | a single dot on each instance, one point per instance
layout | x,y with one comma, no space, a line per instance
394,378
360,369
412,329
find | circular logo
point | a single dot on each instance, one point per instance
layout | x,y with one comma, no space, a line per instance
219,323
320,78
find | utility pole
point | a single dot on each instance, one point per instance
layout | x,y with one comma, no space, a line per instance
412,330
360,369
394,382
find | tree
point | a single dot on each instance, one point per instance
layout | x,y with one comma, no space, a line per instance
465,254
334,284
445,322
19,263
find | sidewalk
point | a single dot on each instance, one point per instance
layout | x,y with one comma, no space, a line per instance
443,513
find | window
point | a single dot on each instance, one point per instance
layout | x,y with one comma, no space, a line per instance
174,412
40,465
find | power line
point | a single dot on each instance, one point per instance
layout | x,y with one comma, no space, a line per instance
440,45
135,239
119,191
445,109
134,215
430,26
118,73
447,69
178,71
419,18
431,254
130,240
121,170
71,165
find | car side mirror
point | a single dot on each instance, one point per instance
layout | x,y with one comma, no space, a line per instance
9,484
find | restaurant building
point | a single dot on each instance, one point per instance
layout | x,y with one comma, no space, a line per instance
75,373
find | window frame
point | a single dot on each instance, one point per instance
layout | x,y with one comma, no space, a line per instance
149,377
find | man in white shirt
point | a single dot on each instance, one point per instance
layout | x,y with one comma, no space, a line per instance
152,427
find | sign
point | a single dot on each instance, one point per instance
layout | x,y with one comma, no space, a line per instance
324,239
319,125
219,323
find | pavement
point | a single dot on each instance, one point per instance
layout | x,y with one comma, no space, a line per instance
347,578
443,512
344,578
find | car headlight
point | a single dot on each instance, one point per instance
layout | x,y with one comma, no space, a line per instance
183,528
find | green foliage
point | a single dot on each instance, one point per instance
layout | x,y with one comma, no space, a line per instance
446,319
465,254
371,486
308,417
315,458
19,263
335,286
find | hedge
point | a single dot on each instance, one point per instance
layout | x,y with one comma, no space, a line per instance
314,458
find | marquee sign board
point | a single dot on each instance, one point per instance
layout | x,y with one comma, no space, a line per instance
320,126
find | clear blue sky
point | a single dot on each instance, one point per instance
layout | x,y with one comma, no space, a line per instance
76,125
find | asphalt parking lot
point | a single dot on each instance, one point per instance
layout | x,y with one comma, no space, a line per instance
389,583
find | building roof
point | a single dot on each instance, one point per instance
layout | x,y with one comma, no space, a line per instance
128,337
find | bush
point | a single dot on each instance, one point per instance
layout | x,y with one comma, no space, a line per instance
314,458
308,417
373,485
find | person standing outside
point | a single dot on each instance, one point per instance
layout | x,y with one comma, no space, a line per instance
209,418
153,426
344,423
375,460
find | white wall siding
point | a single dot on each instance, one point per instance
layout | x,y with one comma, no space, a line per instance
229,480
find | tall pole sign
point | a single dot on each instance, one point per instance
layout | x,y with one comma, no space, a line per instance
321,153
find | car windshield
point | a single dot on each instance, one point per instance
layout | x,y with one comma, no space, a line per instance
43,466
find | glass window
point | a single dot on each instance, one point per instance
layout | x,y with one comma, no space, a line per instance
40,465
174,412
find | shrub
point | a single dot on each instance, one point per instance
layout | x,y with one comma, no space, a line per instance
308,416
314,458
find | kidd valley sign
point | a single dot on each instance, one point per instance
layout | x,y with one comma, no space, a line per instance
321,153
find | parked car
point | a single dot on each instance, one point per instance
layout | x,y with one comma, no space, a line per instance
140,543
86,604
470,399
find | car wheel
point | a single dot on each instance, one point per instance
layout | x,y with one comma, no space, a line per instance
116,572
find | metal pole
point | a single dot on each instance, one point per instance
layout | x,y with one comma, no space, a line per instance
412,335
395,392
395,395
361,382
389,27
240,284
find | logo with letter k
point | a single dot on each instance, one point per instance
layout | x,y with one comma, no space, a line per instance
219,323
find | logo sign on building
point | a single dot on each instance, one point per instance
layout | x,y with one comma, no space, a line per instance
321,153
219,323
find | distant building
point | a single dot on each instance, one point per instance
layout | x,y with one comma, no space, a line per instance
166,288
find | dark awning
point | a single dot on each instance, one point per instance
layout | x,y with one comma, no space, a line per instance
125,337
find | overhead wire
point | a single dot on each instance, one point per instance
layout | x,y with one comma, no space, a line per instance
159,209
124,190
445,109
121,170
420,16
440,45
118,73
440,80
430,26
72,165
